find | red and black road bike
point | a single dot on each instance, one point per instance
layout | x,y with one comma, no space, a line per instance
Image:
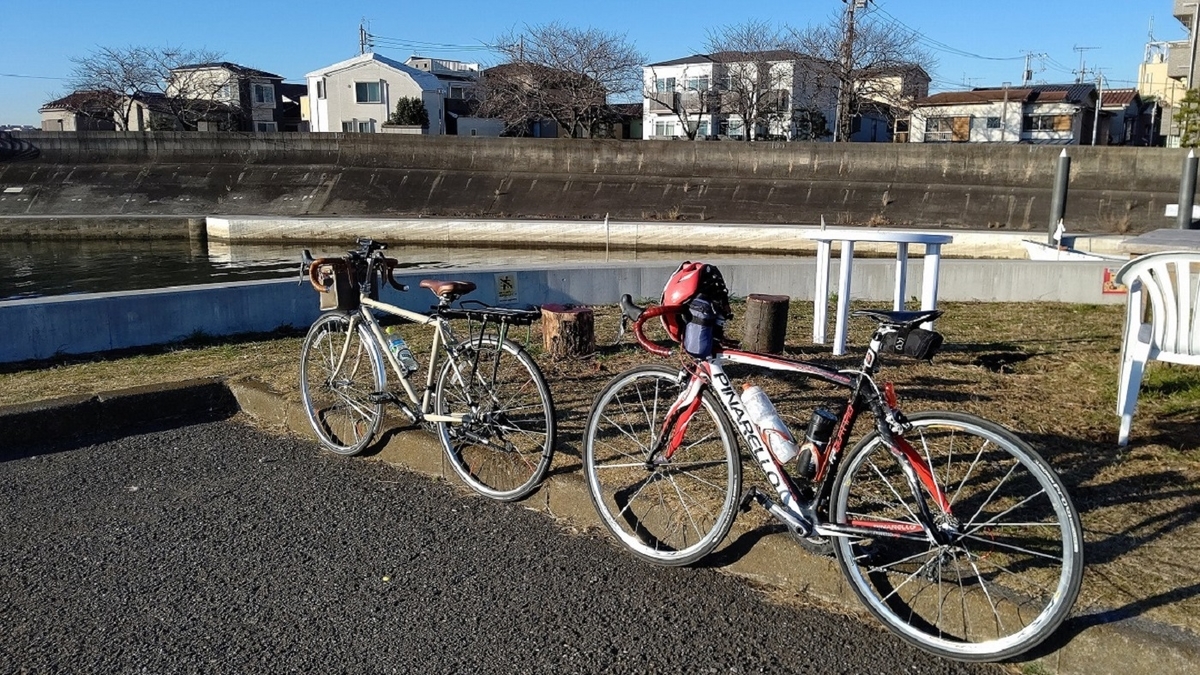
952,531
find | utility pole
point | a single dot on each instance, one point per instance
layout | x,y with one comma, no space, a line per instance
1099,104
1027,74
842,128
362,39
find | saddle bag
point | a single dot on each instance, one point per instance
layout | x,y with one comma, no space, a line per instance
916,343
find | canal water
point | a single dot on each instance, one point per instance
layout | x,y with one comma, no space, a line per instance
31,269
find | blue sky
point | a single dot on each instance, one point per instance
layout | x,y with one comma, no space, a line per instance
976,43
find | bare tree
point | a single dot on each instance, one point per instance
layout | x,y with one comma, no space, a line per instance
871,65
754,74
563,74
121,79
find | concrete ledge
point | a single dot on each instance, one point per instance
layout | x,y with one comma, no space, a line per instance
24,428
706,237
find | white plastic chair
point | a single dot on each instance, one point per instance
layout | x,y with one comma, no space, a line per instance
1172,332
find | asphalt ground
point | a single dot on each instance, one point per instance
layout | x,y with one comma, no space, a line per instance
216,547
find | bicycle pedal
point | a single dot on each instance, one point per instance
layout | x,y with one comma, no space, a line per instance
381,397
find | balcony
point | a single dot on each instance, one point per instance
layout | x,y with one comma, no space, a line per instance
1184,10
1178,59
665,101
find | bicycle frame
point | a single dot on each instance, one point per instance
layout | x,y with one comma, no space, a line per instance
442,336
804,515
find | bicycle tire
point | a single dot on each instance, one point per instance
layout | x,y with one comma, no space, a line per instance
1015,566
504,451
673,513
341,403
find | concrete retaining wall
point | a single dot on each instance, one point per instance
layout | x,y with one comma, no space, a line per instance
906,185
45,327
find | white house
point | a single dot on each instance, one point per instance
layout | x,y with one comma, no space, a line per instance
1044,114
360,94
796,97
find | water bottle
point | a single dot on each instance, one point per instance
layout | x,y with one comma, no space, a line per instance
400,350
771,429
820,429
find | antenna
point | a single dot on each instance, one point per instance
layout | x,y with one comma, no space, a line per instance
1082,72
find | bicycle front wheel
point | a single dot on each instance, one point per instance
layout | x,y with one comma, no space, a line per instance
341,379
670,511
1011,562
504,446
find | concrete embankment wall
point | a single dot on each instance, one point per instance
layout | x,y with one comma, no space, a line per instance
375,175
45,327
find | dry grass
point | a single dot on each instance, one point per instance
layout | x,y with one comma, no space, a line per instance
1048,371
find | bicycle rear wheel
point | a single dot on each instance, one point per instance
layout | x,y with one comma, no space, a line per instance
504,447
1011,567
341,377
671,512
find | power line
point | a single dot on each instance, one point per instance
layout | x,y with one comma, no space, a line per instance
942,46
32,77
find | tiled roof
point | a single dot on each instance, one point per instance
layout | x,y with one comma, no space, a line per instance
1043,93
1118,98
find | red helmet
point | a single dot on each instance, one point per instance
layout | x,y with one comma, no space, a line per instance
690,280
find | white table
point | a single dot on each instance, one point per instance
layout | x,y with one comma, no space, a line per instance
847,237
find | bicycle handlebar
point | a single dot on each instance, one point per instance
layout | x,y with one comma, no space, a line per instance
627,307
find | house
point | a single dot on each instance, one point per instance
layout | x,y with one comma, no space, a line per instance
80,111
1125,119
1062,114
456,77
774,95
733,95
218,96
221,96
360,94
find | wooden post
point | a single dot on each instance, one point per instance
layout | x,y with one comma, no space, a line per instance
568,331
766,323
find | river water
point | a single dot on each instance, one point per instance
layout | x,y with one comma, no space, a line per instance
46,268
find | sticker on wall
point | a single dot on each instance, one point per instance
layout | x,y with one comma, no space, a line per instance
506,287
1110,284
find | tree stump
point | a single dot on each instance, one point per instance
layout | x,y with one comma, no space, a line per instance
568,331
766,323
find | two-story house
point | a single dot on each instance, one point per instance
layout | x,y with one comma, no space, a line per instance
777,95
729,95
1063,114
360,94
222,95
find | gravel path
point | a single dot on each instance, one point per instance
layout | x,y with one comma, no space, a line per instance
216,548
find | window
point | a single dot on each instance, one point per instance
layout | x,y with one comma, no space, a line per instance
697,83
367,92
349,127
664,84
945,129
366,127
265,126
664,128
732,128
321,88
227,92
264,94
993,122
1046,123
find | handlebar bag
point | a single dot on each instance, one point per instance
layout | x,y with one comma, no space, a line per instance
340,292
